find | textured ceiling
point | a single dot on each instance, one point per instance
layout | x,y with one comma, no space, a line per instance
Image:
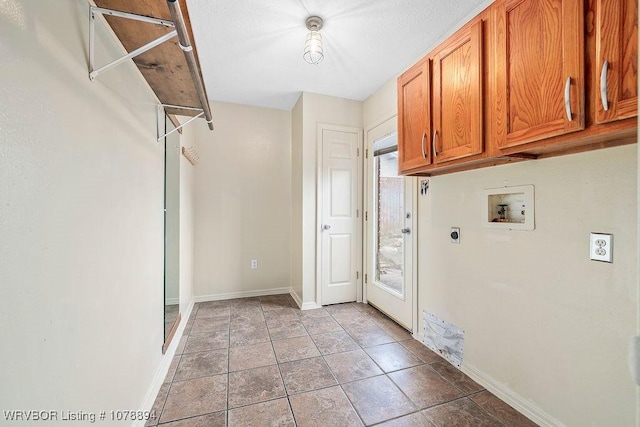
251,50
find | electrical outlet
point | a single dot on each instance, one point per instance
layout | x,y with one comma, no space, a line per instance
254,264
601,247
455,235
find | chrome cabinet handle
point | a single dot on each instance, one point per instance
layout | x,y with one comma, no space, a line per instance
567,98
433,143
406,231
603,85
326,227
424,155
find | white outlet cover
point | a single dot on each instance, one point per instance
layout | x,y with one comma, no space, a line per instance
601,247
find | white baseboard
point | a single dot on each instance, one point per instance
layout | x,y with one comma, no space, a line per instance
310,306
165,363
524,406
305,305
295,297
242,294
172,301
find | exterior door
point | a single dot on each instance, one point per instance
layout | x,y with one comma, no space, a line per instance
390,232
339,234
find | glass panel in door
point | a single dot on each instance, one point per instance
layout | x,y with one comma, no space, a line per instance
389,205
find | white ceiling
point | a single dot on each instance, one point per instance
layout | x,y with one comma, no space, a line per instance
251,50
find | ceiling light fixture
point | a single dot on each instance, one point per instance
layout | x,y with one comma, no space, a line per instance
313,53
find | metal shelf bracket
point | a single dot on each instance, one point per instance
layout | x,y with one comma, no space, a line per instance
160,119
93,73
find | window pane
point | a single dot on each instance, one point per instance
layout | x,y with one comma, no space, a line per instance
390,216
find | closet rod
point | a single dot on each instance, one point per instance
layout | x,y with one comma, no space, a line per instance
186,47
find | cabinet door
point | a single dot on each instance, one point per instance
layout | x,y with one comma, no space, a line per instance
616,59
414,117
457,95
540,70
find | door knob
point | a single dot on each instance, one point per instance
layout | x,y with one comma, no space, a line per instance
326,227
406,231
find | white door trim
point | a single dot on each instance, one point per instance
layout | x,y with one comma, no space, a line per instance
319,189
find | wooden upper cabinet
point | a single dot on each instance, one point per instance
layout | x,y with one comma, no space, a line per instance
414,117
539,79
616,67
457,95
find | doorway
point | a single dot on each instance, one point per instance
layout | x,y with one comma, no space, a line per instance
390,229
339,220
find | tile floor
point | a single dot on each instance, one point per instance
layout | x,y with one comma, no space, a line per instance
263,362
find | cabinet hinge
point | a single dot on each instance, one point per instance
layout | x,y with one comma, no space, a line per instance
365,277
366,153
357,275
366,215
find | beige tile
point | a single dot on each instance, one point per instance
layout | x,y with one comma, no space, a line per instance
392,357
320,325
369,335
328,407
275,302
334,342
251,356
267,414
202,364
172,369
255,385
209,325
316,312
210,341
351,319
500,410
244,302
158,404
340,308
217,313
414,420
351,366
195,397
456,377
378,399
212,305
281,315
247,320
283,329
291,349
182,344
424,386
366,309
392,329
217,419
248,336
460,413
306,374
422,351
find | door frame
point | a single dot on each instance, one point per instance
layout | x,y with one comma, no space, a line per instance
319,189
377,130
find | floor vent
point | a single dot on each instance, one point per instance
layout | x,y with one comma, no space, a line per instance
443,338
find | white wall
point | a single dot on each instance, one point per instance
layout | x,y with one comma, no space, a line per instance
544,326
297,116
317,109
242,199
81,223
187,221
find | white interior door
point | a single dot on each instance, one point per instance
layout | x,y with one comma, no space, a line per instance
390,229
339,234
